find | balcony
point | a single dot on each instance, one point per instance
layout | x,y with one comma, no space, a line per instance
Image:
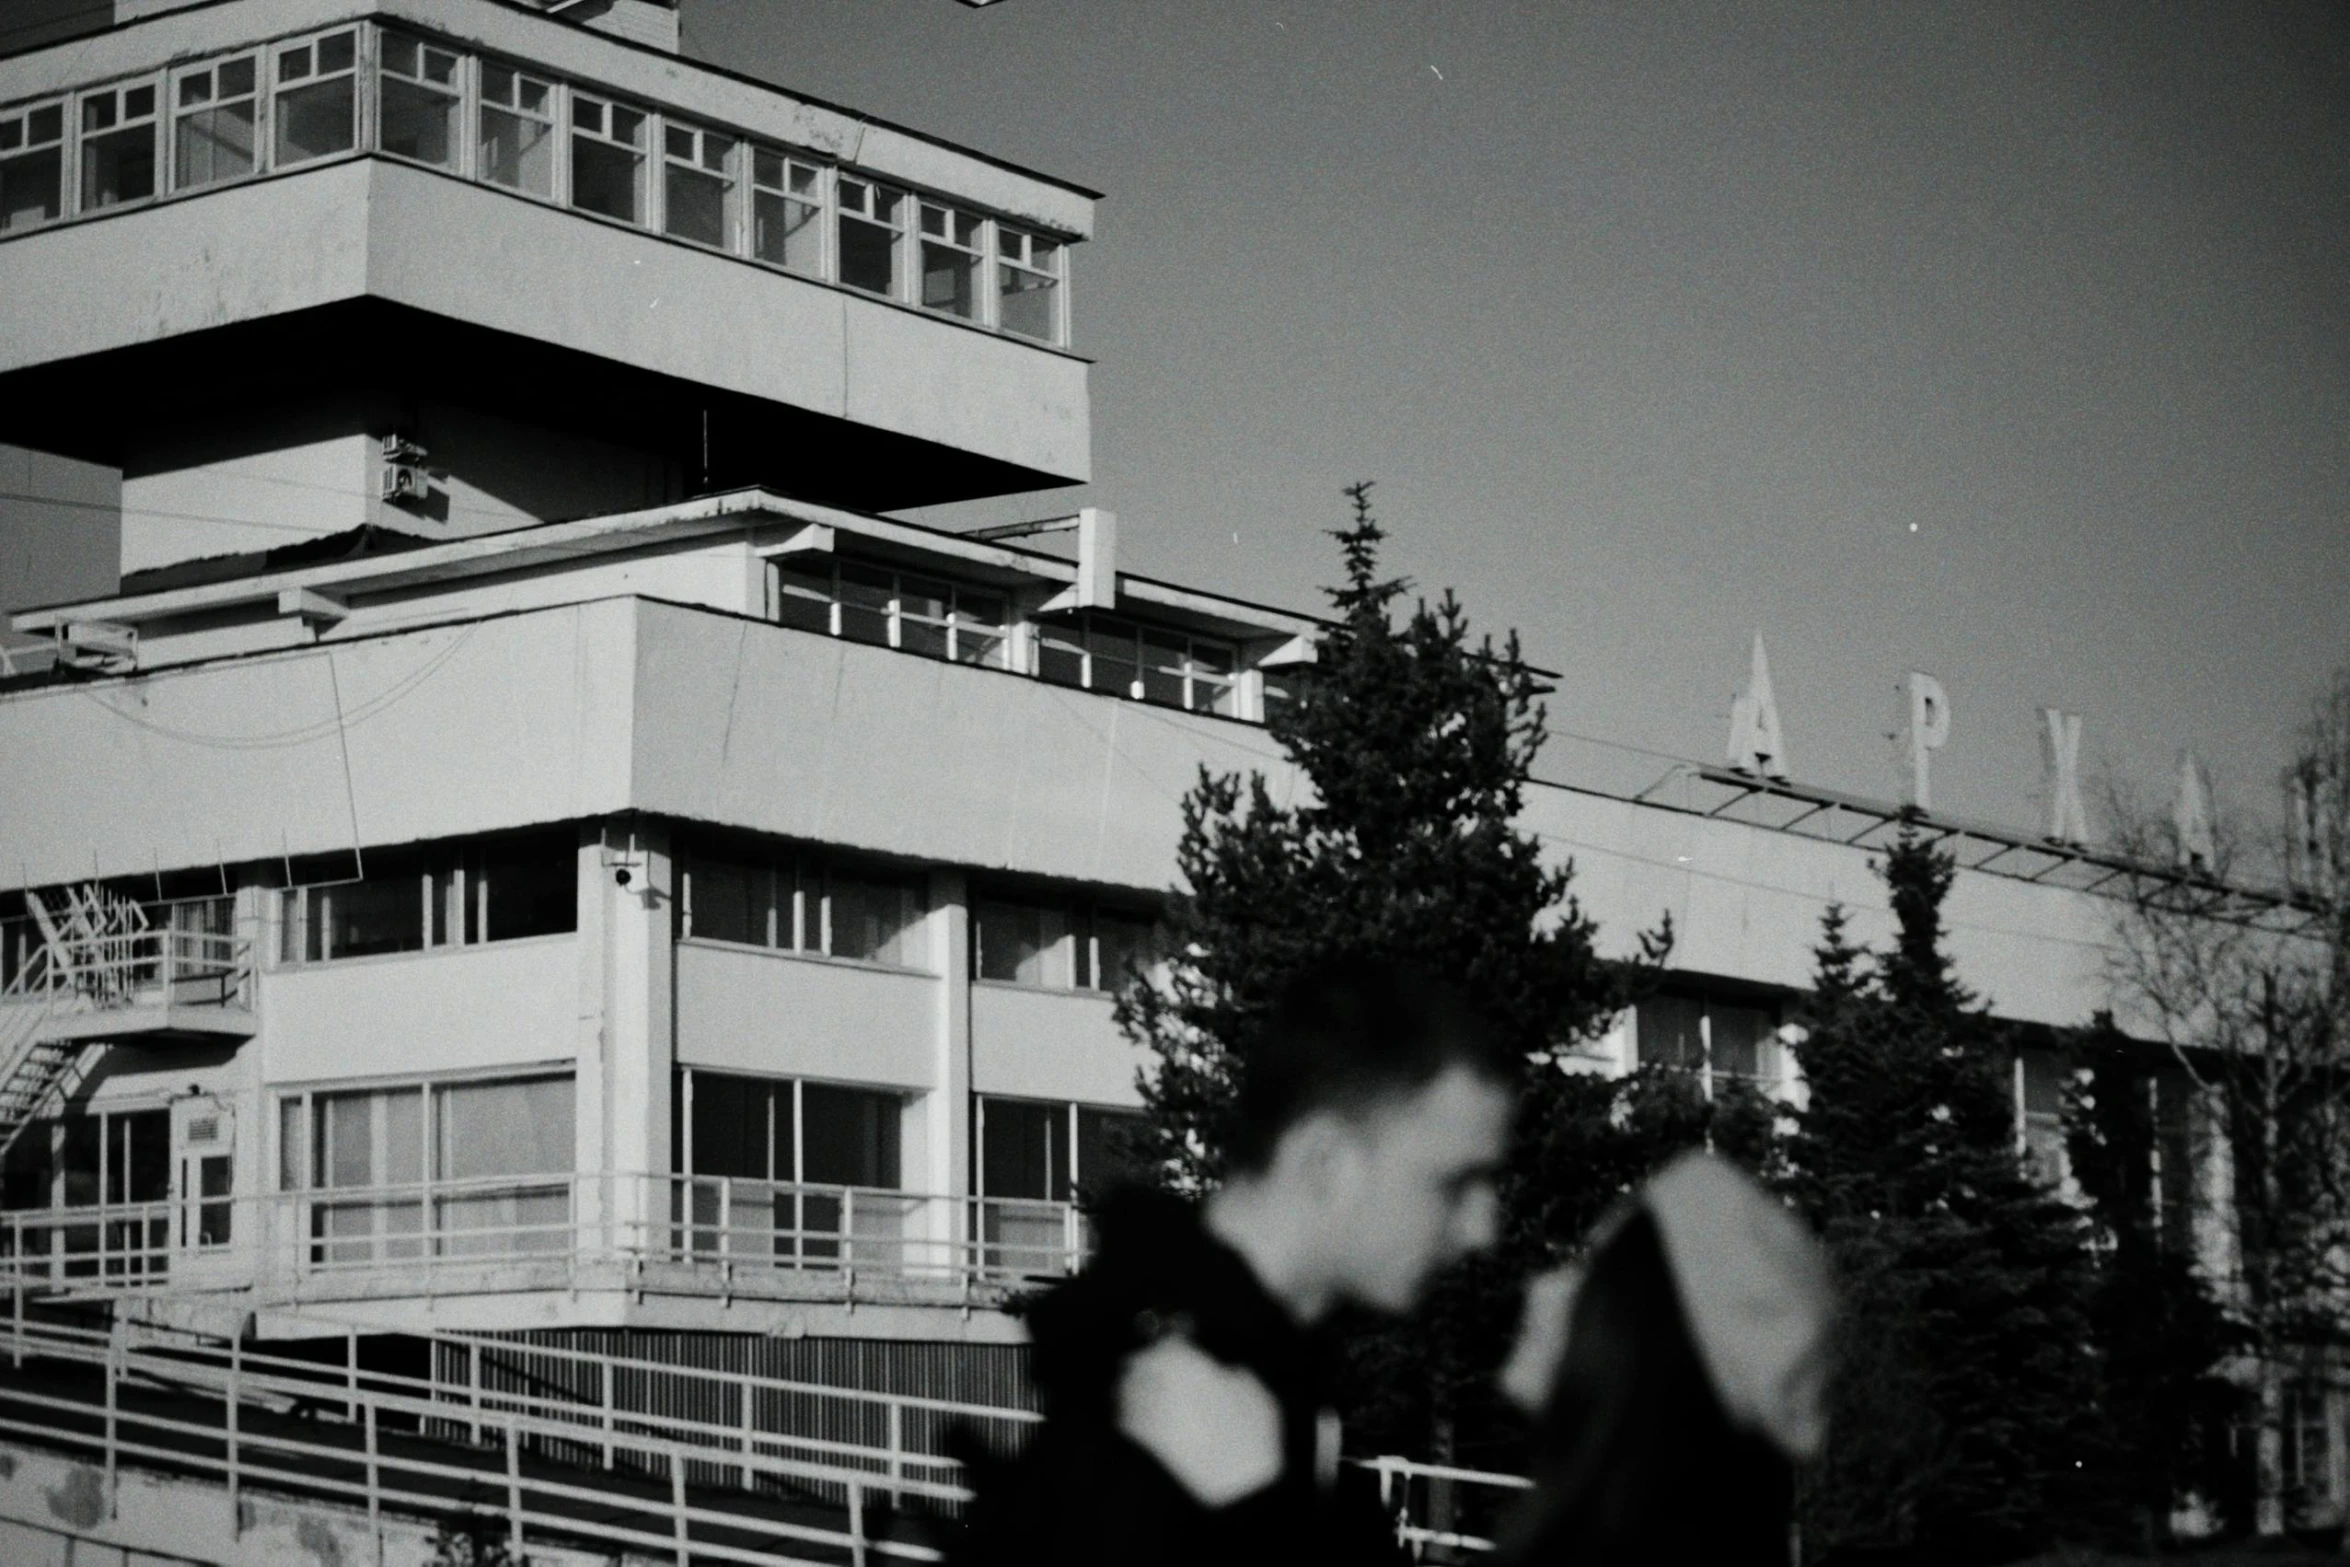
158,986
675,1235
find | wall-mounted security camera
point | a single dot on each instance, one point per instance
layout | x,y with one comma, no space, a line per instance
623,876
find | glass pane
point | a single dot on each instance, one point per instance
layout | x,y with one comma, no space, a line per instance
1026,1150
604,179
31,188
1026,303
1738,1039
1669,1032
403,1125
1123,944
852,1136
1103,1155
730,1126
868,255
865,598
1114,663
517,151
1164,661
293,1158
141,1168
872,920
419,123
346,1147
948,280
728,902
511,1128
803,598
25,1176
785,232
696,206
83,1153
922,617
1060,657
118,167
1011,942
533,887
214,144
316,120
382,914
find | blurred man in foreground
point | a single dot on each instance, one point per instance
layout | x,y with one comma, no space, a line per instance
1182,1376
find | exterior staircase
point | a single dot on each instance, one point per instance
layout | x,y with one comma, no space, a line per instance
104,971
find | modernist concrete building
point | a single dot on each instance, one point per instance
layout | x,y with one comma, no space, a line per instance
531,844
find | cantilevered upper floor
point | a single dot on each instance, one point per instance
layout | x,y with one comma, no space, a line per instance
451,266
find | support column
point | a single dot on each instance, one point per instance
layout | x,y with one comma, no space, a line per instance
627,1036
947,1108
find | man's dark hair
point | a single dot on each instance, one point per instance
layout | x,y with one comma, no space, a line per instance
1347,1034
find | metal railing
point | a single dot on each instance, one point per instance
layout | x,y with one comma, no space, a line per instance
161,964
1410,1490
222,1411
691,1234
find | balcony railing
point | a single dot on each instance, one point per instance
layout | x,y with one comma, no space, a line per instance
690,1234
160,966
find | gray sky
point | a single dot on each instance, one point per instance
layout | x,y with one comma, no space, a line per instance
2007,343
2011,344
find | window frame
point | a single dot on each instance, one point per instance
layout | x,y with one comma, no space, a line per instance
464,92
23,116
556,120
78,204
357,73
259,95
897,226
609,107
1001,262
800,905
729,173
977,253
820,200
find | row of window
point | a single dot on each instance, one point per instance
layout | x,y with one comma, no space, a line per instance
1090,651
116,1158
796,904
440,895
788,1130
735,892
278,107
1058,945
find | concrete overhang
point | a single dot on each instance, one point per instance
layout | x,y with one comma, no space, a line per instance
370,280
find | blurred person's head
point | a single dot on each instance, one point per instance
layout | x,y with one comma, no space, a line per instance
1691,1342
1365,1138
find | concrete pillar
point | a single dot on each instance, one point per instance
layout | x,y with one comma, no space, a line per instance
627,1035
947,1107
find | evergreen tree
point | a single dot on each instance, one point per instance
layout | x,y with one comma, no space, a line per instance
1965,1421
2162,1334
1413,747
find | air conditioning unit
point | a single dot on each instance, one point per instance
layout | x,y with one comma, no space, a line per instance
405,483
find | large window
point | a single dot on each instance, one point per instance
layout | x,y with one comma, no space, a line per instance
32,166
316,108
517,130
88,1159
1059,945
119,131
745,895
1717,1040
872,224
493,889
738,1138
697,185
422,1170
422,97
607,158
1051,1151
915,614
214,112
1028,284
786,205
1097,652
951,239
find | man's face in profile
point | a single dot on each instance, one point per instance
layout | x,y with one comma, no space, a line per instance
1420,1191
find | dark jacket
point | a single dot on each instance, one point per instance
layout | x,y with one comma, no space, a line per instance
1082,1492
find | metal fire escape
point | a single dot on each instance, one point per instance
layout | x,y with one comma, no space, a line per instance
104,973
